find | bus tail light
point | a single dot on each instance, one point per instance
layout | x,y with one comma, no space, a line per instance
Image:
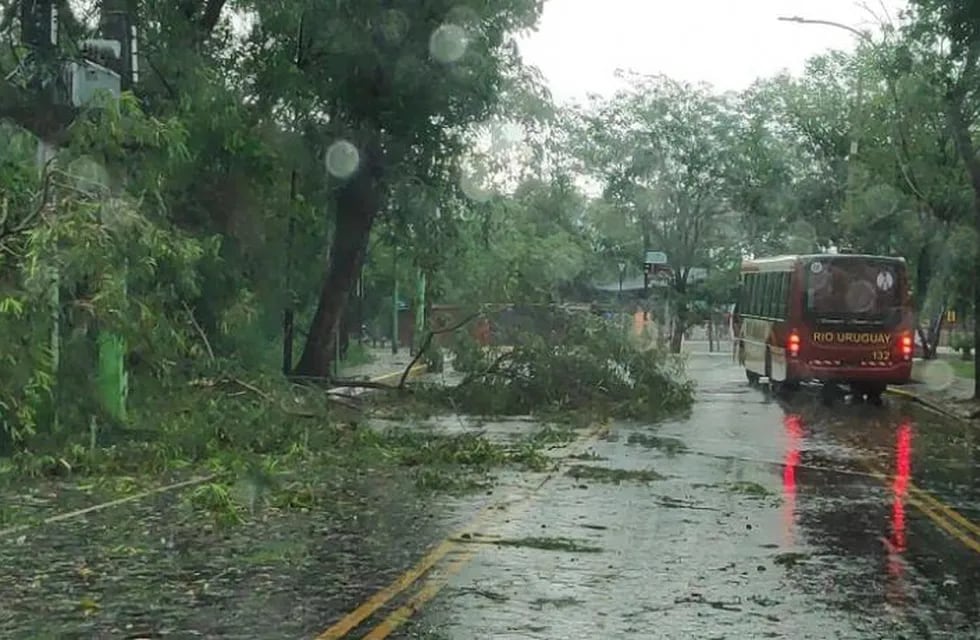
793,343
906,346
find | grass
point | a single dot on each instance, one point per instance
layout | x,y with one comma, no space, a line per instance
962,368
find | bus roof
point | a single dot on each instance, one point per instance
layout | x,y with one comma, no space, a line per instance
787,262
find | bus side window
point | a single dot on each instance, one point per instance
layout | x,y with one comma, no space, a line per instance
758,294
752,308
746,299
770,295
783,293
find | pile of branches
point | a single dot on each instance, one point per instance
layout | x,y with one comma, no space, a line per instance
563,361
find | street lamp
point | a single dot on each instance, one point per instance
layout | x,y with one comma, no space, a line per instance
622,273
855,129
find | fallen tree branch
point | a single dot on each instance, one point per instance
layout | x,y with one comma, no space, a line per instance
492,368
200,330
363,384
427,342
268,398
105,505
210,382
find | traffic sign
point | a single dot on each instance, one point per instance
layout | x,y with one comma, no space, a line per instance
655,257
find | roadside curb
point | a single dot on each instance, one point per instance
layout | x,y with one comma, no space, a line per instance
929,404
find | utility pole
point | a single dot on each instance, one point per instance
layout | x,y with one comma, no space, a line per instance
118,52
60,85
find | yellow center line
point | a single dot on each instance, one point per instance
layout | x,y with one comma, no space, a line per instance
949,511
944,524
435,583
419,368
926,504
353,619
432,586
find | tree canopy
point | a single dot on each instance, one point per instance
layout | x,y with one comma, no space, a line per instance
273,159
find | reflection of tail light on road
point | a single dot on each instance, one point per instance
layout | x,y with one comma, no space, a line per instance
896,544
793,426
900,483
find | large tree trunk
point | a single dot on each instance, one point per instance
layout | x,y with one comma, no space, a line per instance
358,202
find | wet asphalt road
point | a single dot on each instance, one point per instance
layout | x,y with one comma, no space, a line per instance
773,519
753,517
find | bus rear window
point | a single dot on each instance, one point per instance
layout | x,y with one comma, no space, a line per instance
852,288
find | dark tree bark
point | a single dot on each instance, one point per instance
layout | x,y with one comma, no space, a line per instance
358,202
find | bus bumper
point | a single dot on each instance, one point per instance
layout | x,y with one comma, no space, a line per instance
894,373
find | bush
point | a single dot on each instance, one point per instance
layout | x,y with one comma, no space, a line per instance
578,362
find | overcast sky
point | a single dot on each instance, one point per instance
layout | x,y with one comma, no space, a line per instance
729,43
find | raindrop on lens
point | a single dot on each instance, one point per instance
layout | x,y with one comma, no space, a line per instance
474,185
448,43
860,296
342,159
937,375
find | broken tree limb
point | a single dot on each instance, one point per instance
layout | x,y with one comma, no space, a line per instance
492,369
427,342
200,330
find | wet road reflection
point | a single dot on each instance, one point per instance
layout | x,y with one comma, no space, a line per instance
755,517
794,433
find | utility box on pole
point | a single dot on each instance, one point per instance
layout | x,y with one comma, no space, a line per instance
85,79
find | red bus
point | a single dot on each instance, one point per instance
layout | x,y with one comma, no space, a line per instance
839,319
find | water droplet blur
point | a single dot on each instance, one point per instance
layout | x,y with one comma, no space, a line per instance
89,175
117,214
448,43
937,374
802,236
475,185
342,159
819,280
860,297
505,135
394,26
